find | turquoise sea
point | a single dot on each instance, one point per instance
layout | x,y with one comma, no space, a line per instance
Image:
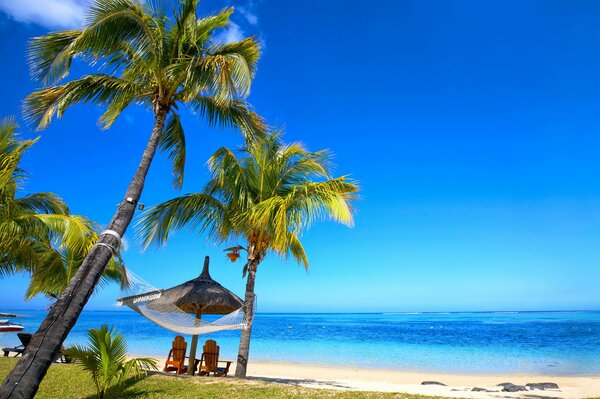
481,342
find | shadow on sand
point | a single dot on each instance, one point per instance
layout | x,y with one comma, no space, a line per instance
306,382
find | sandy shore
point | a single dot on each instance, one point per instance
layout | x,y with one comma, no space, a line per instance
458,385
386,380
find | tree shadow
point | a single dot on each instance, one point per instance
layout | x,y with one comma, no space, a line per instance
127,389
307,382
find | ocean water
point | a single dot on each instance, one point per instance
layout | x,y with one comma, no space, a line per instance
495,342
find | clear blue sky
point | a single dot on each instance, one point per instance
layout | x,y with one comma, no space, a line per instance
472,126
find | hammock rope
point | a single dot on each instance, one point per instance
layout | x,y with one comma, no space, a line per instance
148,301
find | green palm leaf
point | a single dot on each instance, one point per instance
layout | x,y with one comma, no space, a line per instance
43,202
43,105
200,210
173,143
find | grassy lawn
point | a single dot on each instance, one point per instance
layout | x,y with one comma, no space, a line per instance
69,381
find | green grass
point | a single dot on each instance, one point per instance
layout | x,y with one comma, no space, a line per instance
70,381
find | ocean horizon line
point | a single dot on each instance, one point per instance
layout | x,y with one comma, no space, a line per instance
570,311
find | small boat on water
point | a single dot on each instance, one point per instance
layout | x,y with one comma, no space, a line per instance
7,326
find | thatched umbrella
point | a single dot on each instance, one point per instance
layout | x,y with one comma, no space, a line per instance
199,296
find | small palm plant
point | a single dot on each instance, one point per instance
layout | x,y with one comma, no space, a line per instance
106,359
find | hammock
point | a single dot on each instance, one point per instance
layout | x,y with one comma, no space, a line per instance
149,302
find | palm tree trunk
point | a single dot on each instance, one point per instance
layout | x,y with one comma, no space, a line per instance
244,349
24,380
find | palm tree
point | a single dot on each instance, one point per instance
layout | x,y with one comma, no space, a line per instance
106,359
37,233
143,57
266,198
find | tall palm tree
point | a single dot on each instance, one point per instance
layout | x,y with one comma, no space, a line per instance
37,234
145,57
266,198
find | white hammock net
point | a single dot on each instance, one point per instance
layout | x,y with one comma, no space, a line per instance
148,301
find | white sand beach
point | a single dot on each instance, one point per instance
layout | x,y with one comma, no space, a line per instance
388,380
385,380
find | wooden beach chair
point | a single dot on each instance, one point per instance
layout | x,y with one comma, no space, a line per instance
25,338
176,359
209,362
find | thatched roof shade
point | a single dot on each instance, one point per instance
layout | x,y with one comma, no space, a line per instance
203,294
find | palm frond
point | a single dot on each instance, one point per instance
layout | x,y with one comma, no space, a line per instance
201,211
206,27
50,276
294,247
172,142
324,200
109,23
43,203
18,254
50,56
41,106
73,232
139,366
234,113
246,52
184,27
11,151
115,272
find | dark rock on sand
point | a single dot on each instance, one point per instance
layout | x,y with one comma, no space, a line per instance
542,385
479,389
503,384
514,388
432,383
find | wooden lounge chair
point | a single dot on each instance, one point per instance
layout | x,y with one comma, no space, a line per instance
25,338
176,359
209,362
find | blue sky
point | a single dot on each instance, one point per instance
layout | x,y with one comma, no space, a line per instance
472,127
